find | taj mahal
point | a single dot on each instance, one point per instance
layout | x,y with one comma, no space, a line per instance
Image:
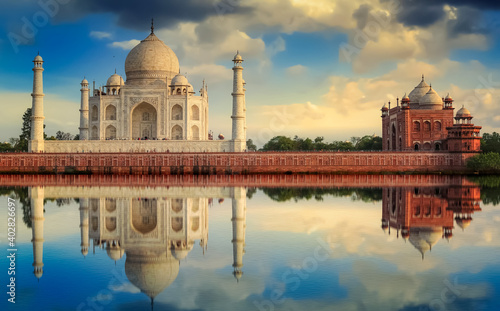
155,109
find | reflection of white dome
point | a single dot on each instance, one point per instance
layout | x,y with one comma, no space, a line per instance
151,273
424,238
463,222
418,92
115,253
115,80
180,254
151,60
431,100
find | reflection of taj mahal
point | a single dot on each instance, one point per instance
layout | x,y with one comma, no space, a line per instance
424,215
154,232
155,102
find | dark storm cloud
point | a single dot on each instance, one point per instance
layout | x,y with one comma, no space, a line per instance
361,15
414,14
468,14
136,15
468,21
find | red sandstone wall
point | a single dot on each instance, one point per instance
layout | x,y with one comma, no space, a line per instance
232,163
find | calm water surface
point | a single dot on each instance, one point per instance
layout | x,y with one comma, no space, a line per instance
409,247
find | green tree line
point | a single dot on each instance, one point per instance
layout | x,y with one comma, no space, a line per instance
284,143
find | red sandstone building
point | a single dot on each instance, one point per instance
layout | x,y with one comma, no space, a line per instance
424,121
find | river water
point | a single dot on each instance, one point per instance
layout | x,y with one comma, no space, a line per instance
350,246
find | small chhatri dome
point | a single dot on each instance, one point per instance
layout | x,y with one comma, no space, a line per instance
238,57
84,81
384,107
419,91
431,100
448,97
38,58
463,113
115,80
179,79
151,60
405,98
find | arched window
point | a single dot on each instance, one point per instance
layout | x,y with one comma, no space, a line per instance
427,126
437,126
95,113
417,147
110,205
437,146
95,134
195,132
144,215
110,132
110,112
177,132
178,91
195,112
110,224
177,224
416,126
177,205
177,112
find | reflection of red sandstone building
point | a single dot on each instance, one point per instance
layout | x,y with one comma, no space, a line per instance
425,215
424,121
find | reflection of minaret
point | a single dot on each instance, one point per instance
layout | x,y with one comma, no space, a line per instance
239,225
84,225
37,196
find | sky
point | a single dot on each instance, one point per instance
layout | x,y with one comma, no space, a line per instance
312,68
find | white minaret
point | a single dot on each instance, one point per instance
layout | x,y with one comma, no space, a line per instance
84,111
36,143
239,225
84,225
239,134
37,219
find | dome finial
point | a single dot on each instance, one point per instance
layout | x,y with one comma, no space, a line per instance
152,26
115,70
422,77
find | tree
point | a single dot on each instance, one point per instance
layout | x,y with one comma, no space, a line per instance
77,137
485,162
22,144
490,142
250,145
279,143
60,135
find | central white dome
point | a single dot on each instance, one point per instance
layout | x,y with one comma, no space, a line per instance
149,61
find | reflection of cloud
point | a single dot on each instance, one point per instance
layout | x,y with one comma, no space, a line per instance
125,287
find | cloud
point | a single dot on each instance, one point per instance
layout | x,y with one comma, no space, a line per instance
296,70
100,34
126,45
136,15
